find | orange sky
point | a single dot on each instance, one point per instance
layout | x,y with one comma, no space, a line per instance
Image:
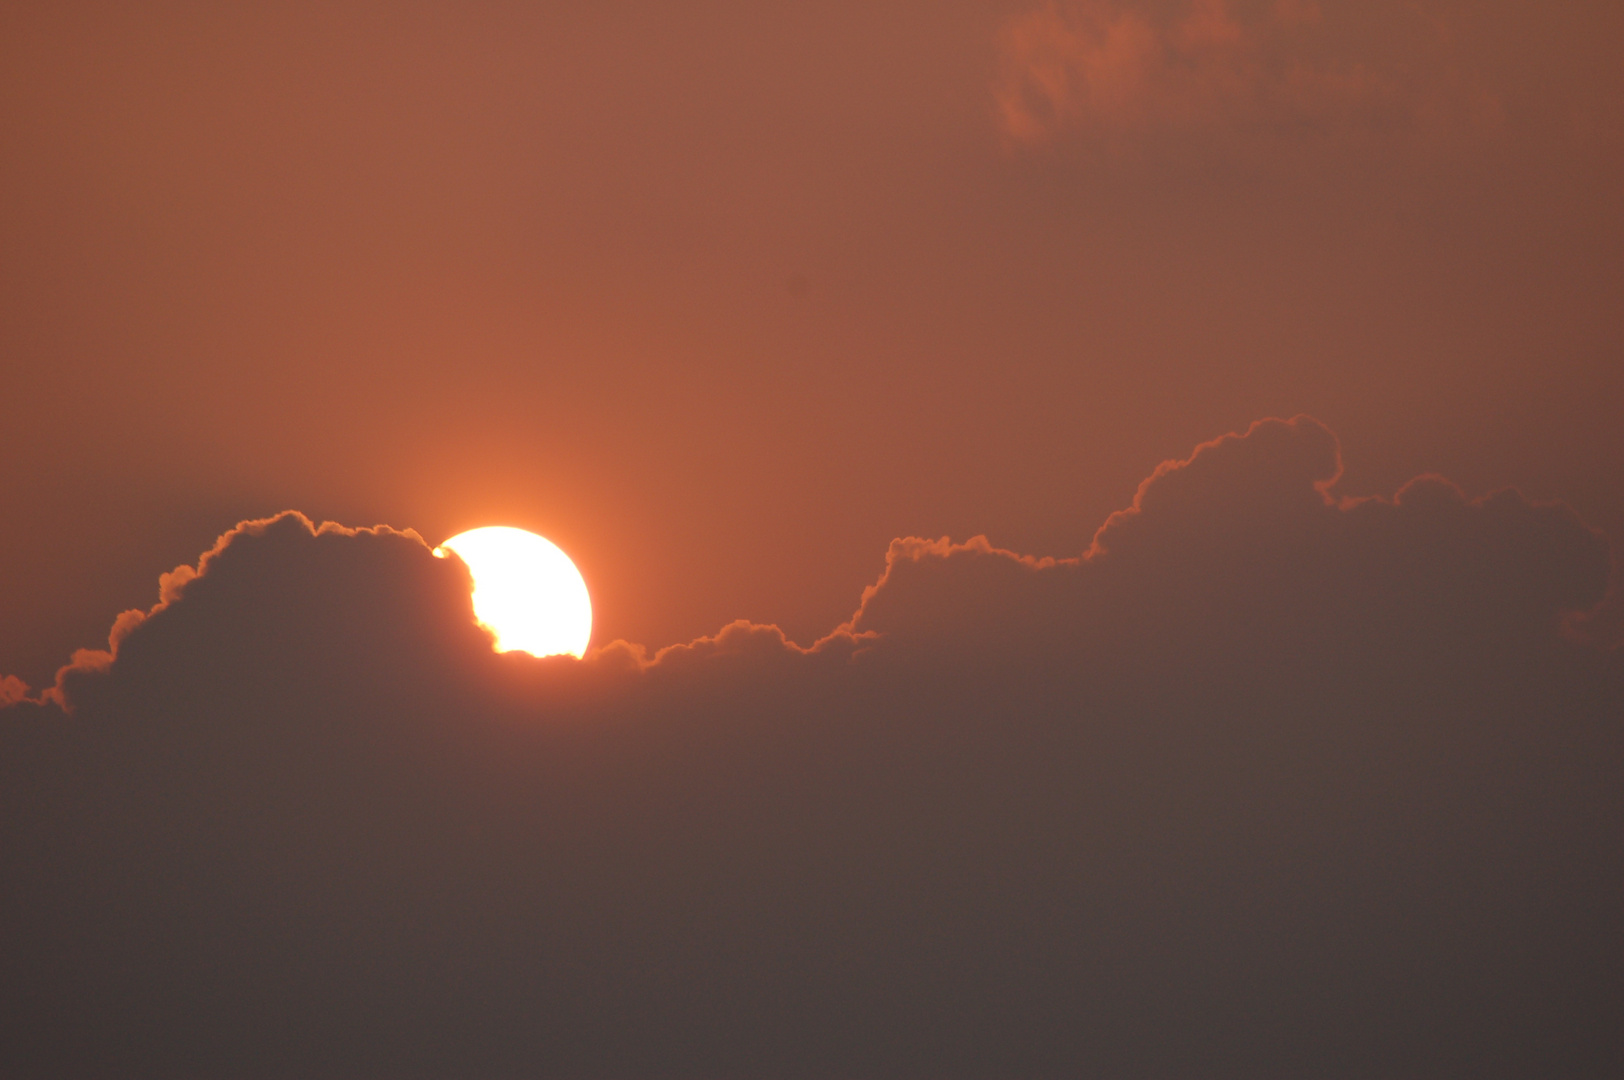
723,297
1092,510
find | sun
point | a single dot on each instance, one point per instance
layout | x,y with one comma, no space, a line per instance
526,591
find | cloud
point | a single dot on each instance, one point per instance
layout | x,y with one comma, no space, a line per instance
12,690
283,598
1267,781
1120,71
1245,544
1602,625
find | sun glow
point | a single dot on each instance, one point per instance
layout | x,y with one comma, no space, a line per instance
526,591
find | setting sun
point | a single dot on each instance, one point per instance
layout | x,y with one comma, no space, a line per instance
526,591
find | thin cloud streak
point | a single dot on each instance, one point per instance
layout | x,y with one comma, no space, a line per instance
1122,72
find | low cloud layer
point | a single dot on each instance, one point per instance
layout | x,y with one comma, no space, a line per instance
1268,782
1123,71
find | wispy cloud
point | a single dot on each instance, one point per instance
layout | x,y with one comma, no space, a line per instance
1120,71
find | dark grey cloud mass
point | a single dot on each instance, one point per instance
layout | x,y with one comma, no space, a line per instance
1267,783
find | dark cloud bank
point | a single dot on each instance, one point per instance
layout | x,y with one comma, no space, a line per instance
1265,785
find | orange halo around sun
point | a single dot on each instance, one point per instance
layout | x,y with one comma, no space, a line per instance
526,591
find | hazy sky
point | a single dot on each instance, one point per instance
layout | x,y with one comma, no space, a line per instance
1303,768
723,297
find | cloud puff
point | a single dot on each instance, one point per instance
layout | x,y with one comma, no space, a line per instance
1267,782
12,690
281,599
1121,70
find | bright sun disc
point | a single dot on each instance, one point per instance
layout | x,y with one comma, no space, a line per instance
526,591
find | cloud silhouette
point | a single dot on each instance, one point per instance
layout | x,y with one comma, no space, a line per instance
281,599
1267,782
1243,545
